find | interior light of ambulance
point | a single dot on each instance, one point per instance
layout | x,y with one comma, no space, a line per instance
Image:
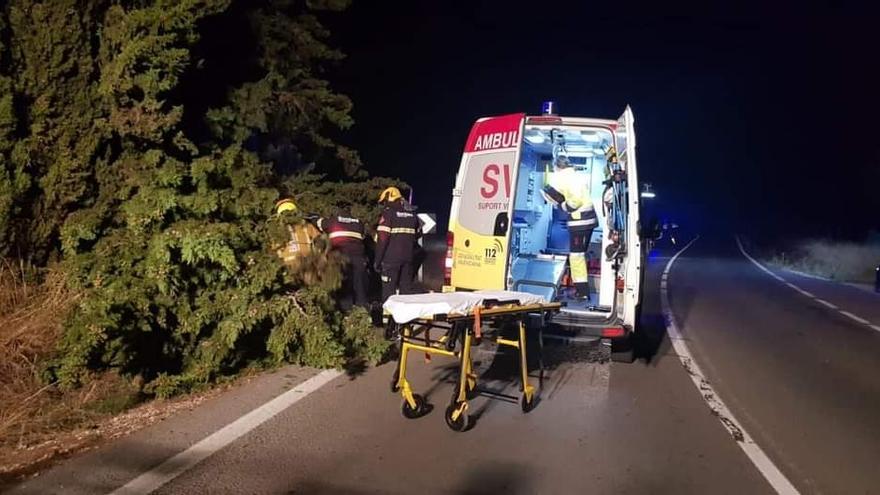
535,137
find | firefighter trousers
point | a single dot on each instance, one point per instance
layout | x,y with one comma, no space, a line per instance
396,277
355,280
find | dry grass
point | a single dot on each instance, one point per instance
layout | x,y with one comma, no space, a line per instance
30,316
842,261
40,423
32,413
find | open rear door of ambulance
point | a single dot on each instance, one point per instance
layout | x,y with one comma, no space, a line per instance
480,217
634,262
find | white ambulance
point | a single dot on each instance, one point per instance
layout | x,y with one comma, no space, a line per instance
505,234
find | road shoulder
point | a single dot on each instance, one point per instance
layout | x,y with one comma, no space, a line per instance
119,461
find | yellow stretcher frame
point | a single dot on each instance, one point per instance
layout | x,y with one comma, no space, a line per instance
415,336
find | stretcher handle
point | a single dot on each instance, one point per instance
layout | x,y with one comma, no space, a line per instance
478,325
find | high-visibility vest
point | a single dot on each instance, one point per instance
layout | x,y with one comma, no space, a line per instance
302,235
578,203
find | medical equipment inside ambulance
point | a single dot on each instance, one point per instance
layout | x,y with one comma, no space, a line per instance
540,236
526,186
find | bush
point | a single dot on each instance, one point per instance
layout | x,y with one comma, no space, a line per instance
153,182
842,261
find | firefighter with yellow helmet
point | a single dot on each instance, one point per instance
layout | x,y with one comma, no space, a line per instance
302,235
396,237
571,194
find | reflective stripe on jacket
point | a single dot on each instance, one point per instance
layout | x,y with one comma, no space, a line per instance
300,243
573,196
397,232
346,233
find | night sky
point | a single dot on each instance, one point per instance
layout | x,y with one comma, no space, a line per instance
751,118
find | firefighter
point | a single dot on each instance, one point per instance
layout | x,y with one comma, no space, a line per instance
397,232
302,234
569,192
346,235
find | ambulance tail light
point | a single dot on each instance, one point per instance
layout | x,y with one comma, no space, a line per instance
613,332
447,263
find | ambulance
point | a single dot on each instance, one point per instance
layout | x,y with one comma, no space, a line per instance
505,234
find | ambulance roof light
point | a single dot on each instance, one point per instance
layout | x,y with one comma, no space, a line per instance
548,108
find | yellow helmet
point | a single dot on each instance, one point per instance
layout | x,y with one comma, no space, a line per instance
285,204
390,194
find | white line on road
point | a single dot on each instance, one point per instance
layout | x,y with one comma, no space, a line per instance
855,317
802,291
826,303
182,462
769,470
851,316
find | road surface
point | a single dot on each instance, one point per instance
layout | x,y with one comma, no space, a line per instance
802,378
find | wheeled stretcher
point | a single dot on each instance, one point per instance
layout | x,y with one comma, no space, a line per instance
460,316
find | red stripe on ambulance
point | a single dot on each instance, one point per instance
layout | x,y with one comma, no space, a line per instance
495,133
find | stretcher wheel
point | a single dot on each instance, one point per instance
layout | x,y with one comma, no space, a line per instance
458,424
526,404
394,379
418,411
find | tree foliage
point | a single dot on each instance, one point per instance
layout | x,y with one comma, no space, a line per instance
171,238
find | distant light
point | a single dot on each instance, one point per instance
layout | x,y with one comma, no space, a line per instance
648,194
548,108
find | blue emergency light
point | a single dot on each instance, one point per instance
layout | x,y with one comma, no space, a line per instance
548,108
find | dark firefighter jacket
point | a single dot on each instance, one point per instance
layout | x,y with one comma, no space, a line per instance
346,234
396,234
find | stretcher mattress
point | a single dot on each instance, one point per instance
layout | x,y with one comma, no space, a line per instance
406,308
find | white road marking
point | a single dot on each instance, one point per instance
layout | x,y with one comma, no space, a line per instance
182,462
856,318
769,470
826,303
802,291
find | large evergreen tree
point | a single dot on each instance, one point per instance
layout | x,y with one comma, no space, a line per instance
170,235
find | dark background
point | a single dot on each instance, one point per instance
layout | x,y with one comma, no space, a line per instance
757,118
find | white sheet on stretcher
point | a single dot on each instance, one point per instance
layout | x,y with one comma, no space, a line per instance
406,308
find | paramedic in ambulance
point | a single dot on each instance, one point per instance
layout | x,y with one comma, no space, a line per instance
396,233
569,192
346,235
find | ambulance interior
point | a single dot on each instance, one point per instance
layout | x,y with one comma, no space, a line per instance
539,233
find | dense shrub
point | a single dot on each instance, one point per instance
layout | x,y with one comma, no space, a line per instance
157,197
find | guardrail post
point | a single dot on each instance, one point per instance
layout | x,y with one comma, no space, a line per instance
877,279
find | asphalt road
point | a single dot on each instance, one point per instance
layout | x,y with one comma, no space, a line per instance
804,380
